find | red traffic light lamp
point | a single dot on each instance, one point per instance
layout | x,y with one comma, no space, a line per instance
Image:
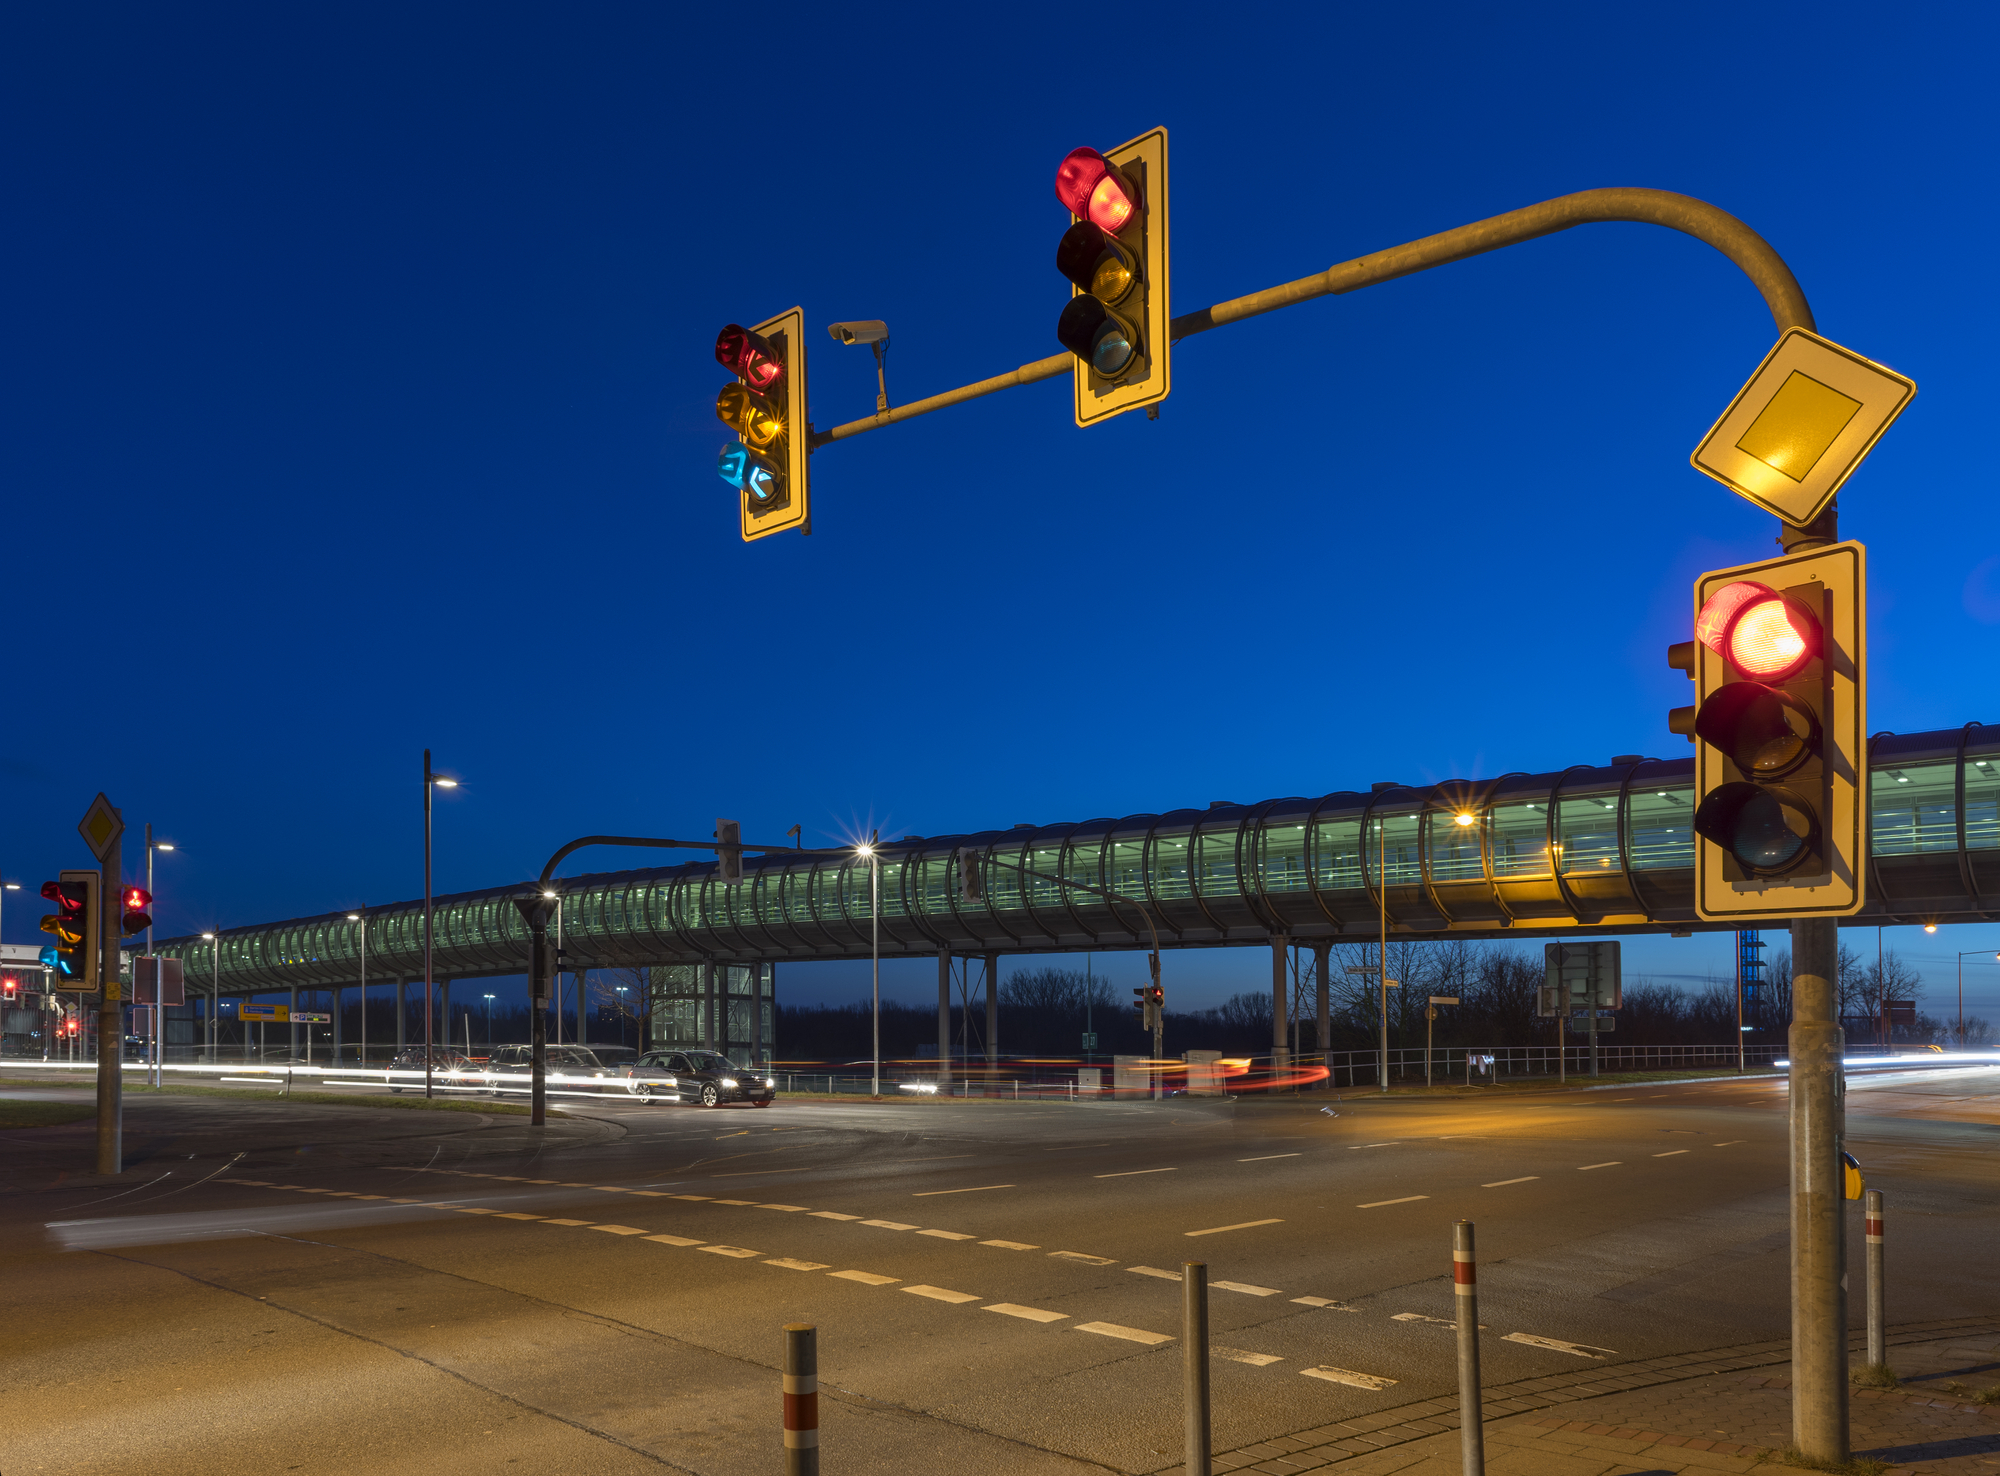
751,357
1114,255
138,910
10,987
1089,185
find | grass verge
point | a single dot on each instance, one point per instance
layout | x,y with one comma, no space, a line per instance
20,1114
334,1099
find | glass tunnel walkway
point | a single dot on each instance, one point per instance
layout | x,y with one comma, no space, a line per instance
1584,850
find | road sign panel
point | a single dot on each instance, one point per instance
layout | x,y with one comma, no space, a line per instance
310,1017
1583,973
100,827
1808,417
277,1013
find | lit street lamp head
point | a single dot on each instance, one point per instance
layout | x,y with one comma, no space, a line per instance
443,783
354,917
208,937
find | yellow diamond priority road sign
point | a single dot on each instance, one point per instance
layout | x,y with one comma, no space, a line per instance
100,826
1804,422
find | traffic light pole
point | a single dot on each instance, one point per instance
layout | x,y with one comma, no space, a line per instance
1819,1246
1735,240
110,1018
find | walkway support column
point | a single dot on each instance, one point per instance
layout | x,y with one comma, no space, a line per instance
576,978
707,1006
1322,954
1819,1247
292,1021
338,992
1281,952
992,1008
944,1016
402,1014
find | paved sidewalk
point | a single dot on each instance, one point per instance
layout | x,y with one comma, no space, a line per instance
1725,1411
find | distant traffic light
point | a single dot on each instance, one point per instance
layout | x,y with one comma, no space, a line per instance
76,928
1777,662
766,407
138,910
729,854
1142,1006
10,987
1115,257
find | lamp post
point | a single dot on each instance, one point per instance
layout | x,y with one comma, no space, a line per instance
1961,991
866,850
5,888
361,917
159,1032
431,781
489,1024
214,992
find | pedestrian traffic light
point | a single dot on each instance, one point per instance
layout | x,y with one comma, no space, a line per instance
1114,254
729,853
1779,724
766,407
75,925
138,910
10,987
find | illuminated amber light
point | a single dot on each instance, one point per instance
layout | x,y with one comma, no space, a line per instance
1793,432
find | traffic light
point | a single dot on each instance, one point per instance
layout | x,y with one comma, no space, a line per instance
1142,1006
971,885
1114,254
766,407
10,988
138,910
1779,724
729,854
75,925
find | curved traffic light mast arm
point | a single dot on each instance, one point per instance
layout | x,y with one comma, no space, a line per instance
640,840
1063,881
1697,218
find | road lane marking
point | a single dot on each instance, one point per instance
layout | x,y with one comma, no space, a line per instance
1237,1355
790,1209
832,1215
1130,1334
1503,1183
738,1201
1245,1288
1325,1302
603,1188
1420,1317
1011,1245
947,1235
1266,1158
1406,1199
790,1265
1154,1271
519,1216
1675,1153
1347,1376
469,1210
699,1198
1624,1099
1031,1314
619,1229
1080,1256
566,1222
731,1250
866,1278
1586,1168
653,1193
1390,1144
673,1240
888,1225
939,1294
1730,1144
980,1189
1241,1225
1581,1350
1132,1173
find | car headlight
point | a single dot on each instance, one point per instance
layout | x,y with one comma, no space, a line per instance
730,1082
770,1081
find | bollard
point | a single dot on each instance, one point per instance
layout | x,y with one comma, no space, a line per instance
1871,1224
1465,1285
801,1400
1194,1364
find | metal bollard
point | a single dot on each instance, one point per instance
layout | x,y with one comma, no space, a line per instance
1871,1224
1194,1365
801,1400
1465,1285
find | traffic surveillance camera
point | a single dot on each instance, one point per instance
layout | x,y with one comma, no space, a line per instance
875,331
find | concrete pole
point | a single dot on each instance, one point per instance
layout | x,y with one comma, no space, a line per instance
756,1016
1878,1310
1819,1247
1321,958
110,1017
707,1007
338,992
444,1009
944,1017
992,1008
1194,1368
1281,948
402,1014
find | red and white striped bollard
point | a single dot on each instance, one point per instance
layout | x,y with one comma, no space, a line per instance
801,1400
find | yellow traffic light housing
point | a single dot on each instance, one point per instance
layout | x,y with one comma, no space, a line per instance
1118,320
766,407
1780,724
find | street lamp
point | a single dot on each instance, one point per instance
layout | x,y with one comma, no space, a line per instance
159,1032
6,887
361,917
866,851
214,991
489,1024
431,781
1961,991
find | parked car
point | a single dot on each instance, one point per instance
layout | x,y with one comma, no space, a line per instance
615,1058
454,1067
697,1076
510,1067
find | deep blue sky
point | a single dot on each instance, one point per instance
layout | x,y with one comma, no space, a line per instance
367,350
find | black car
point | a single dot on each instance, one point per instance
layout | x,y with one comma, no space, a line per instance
688,1075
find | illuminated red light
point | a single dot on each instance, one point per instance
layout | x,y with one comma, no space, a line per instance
1765,640
749,356
1088,186
1712,624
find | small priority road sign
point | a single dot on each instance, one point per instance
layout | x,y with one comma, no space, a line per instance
100,828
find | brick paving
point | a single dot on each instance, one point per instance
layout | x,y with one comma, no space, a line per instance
1725,1410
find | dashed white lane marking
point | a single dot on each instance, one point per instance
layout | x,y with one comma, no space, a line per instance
1255,1360
1587,1167
1130,1334
1154,1271
1503,1183
1581,1350
673,1240
832,1215
888,1225
1134,1173
1671,1153
1390,1144
517,1215
1011,1245
1406,1199
731,1250
790,1209
619,1229
1347,1376
736,1201
981,1189
1267,1157
1325,1302
947,1235
791,1265
1244,1225
565,1222
1031,1314
1081,1257
866,1278
939,1294
1245,1288
1730,1144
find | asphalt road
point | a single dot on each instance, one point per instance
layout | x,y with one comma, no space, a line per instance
284,1287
